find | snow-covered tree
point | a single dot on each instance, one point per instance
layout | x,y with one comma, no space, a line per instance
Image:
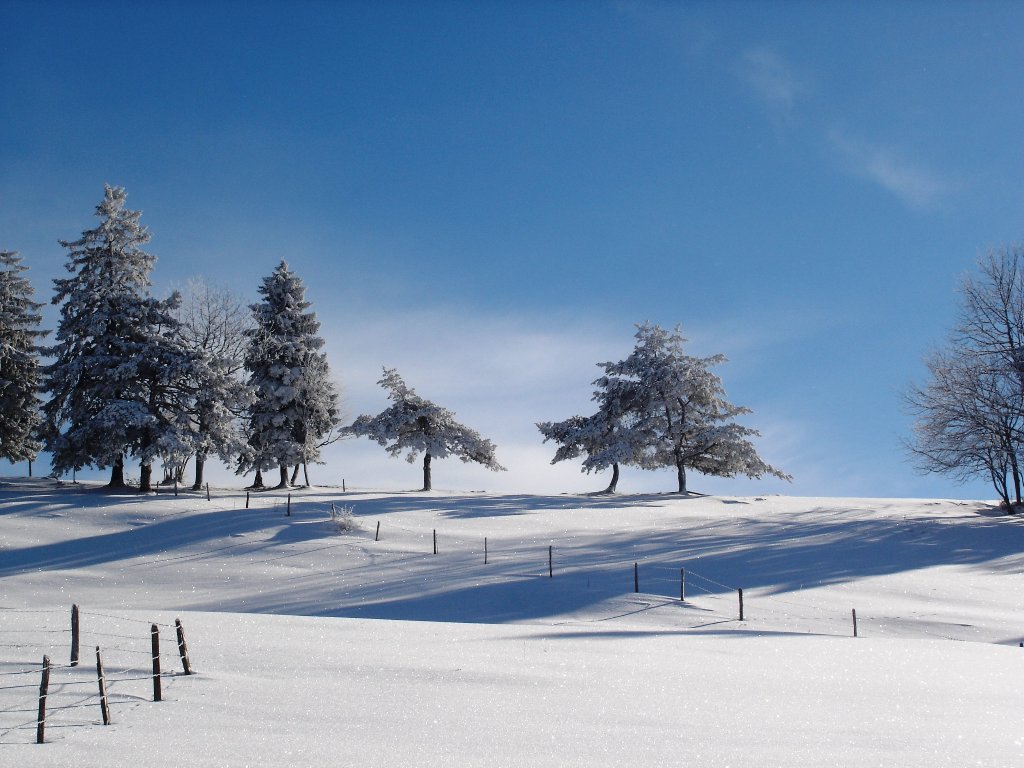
678,411
20,369
295,404
606,438
417,426
213,325
115,385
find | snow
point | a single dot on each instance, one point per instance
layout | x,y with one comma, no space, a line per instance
315,648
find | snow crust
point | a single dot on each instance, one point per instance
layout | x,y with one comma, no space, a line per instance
318,648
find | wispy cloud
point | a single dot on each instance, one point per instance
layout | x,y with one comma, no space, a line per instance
916,187
776,83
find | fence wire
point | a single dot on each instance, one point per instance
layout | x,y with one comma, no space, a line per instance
69,702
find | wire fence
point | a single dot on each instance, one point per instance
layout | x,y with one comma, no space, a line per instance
125,664
657,579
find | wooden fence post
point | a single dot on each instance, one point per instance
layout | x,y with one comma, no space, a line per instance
682,585
155,632
376,536
636,577
207,491
740,591
104,707
183,647
44,686
175,496
74,635
551,558
288,512
343,489
246,499
854,621
485,550
435,541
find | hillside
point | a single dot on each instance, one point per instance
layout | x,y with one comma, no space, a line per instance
315,647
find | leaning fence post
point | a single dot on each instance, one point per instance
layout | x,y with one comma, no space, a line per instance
104,707
155,632
376,536
74,635
182,647
682,585
854,610
44,685
740,591
246,499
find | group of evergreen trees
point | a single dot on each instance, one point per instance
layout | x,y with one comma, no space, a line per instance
169,380
134,376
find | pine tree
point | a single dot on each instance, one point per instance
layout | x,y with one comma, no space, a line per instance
115,385
678,411
20,369
417,425
606,438
295,403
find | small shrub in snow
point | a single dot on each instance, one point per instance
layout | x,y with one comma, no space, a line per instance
343,519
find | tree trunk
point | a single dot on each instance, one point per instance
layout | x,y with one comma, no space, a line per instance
615,478
284,476
258,482
305,473
1001,486
200,466
295,473
681,475
1016,477
117,473
426,472
145,478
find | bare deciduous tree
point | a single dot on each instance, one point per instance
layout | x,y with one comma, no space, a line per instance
969,417
214,322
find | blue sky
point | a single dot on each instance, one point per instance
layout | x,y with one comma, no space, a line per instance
488,196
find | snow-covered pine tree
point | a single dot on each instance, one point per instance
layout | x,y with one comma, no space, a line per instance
417,425
681,414
20,369
606,438
295,402
116,384
213,328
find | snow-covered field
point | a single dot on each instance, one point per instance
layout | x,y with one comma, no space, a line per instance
315,647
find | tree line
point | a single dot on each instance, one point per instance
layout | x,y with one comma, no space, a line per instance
132,376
